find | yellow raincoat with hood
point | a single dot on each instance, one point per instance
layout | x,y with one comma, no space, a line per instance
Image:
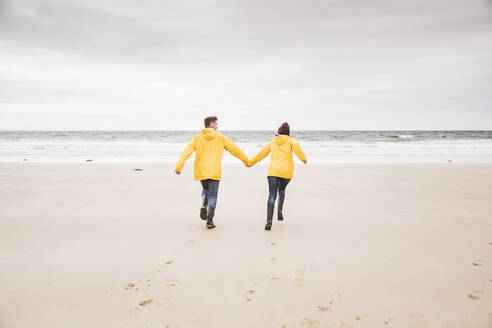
281,163
209,146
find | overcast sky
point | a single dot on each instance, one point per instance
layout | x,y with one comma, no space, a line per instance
157,64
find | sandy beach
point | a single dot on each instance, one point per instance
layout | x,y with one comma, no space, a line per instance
105,245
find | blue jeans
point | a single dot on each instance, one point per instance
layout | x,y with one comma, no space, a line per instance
210,189
276,184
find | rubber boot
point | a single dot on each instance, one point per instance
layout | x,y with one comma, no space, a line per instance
203,209
268,225
280,216
210,221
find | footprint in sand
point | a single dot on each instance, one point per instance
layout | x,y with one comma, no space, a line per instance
146,302
129,285
475,295
388,321
172,283
306,322
299,281
324,309
249,294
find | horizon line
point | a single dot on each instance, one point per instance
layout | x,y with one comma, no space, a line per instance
232,130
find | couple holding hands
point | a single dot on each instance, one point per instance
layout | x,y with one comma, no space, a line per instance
209,146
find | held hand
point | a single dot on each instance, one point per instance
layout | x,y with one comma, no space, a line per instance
178,172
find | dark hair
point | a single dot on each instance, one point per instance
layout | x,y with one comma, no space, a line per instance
208,120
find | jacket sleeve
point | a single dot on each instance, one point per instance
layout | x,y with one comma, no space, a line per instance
261,155
231,147
189,149
296,147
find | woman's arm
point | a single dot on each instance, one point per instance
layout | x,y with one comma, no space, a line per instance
261,155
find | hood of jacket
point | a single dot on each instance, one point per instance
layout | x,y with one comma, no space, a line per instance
281,139
209,133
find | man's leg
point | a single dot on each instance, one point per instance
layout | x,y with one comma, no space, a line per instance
213,190
281,197
203,209
272,196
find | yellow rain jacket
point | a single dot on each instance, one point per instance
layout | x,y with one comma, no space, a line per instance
281,163
209,146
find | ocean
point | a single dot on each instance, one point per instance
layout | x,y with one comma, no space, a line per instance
319,146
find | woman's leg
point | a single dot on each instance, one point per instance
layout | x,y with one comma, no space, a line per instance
281,197
272,196
272,189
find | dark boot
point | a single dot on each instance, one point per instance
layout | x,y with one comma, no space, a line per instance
268,225
210,221
280,216
203,209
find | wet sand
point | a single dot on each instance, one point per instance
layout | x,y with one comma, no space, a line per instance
104,245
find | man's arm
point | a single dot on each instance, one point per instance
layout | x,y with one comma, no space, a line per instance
231,147
296,147
261,155
189,149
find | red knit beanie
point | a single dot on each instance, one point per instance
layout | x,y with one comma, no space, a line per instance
284,129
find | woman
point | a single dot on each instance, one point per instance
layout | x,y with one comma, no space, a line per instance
281,168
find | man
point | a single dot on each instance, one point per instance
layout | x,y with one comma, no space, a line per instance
209,146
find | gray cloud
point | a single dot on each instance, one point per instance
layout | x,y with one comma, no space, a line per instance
321,64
